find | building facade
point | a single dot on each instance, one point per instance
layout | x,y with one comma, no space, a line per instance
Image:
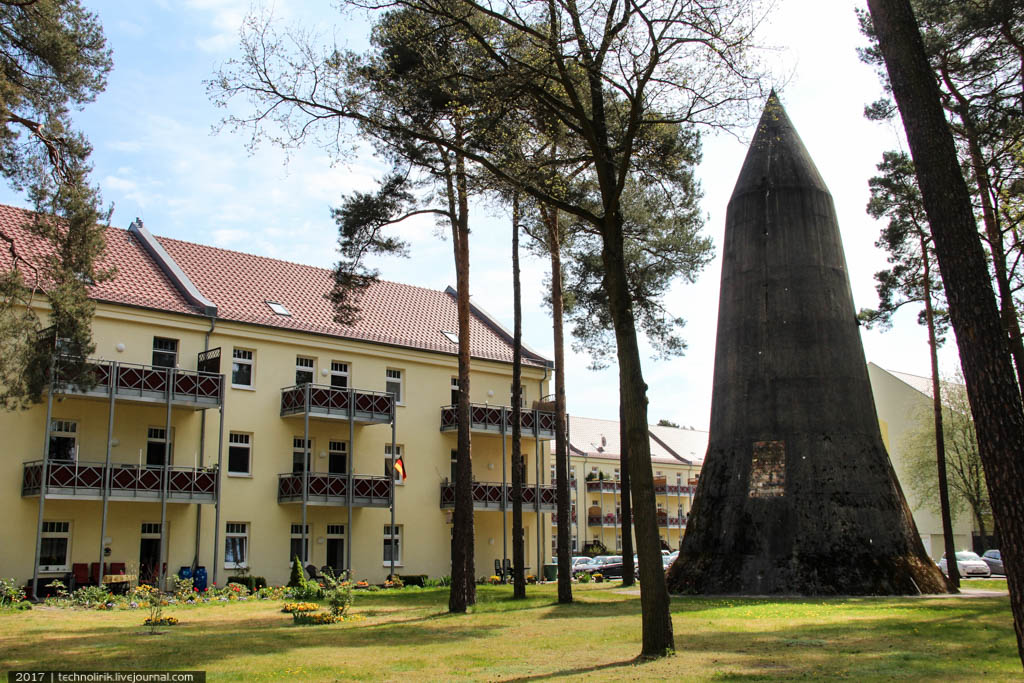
234,425
595,481
901,400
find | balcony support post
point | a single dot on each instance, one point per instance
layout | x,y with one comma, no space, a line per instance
161,568
305,475
394,419
105,479
42,486
348,489
504,495
217,484
536,495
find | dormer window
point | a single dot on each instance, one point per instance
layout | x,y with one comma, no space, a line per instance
278,307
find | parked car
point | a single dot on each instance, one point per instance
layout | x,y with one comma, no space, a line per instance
667,560
968,564
994,560
613,570
598,564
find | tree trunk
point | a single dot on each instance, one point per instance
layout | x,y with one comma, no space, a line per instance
518,552
463,588
654,599
952,569
550,217
628,570
988,371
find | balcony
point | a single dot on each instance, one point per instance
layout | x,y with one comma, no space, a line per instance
604,486
332,489
673,490
76,480
488,419
554,518
332,403
488,496
149,384
607,519
666,522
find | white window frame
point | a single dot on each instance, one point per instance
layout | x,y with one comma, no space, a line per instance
296,534
522,396
240,440
340,369
68,429
236,530
395,376
618,474
151,438
176,352
305,364
392,534
389,463
57,529
335,447
239,357
297,448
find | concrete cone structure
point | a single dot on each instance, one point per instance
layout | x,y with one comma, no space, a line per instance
797,494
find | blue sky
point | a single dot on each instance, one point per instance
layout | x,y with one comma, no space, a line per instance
157,158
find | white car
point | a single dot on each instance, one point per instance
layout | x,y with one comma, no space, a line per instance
967,564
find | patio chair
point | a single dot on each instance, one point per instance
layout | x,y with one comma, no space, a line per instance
79,575
497,570
117,567
312,572
507,575
96,573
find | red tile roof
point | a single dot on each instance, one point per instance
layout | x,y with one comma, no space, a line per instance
240,284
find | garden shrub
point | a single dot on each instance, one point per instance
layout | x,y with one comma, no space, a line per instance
10,593
298,576
253,583
90,596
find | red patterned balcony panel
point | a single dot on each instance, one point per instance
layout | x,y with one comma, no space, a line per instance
449,418
485,417
546,421
197,386
87,480
447,495
593,520
332,489
31,478
333,402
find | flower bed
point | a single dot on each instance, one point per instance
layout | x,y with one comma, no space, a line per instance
298,607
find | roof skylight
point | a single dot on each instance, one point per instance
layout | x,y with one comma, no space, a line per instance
450,336
277,307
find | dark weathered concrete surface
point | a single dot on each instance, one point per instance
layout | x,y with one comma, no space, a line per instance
797,494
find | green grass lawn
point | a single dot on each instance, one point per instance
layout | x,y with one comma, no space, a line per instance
409,636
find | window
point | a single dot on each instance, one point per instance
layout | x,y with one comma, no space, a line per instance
150,530
236,545
277,307
239,454
241,368
304,370
339,375
572,473
554,474
389,462
296,547
617,474
455,460
298,450
455,391
679,478
157,447
392,544
337,457
165,352
336,547
393,384
63,440
522,396
53,550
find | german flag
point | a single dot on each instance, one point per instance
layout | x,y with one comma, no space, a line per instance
400,467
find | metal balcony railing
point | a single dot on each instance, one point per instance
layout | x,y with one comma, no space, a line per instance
332,489
604,486
149,383
336,403
488,496
87,480
538,424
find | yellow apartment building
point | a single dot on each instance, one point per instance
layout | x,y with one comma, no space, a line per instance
234,424
594,476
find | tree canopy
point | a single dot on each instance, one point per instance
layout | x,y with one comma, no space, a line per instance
53,59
